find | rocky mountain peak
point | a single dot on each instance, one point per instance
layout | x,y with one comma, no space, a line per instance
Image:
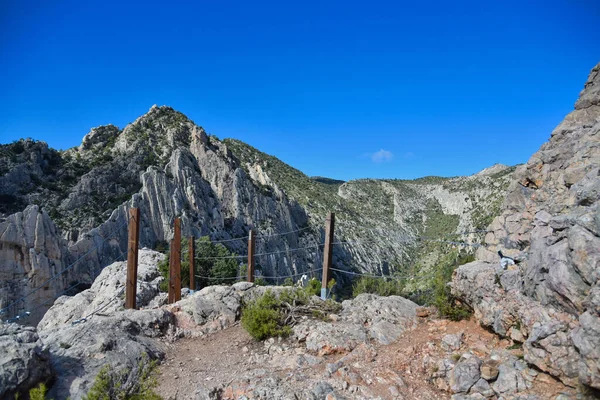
99,137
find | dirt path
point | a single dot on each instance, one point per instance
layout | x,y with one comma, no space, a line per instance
233,361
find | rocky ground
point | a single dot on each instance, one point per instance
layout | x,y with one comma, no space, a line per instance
420,364
373,347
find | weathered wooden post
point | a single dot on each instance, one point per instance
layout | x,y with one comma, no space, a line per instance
251,256
327,253
171,298
192,257
177,263
132,257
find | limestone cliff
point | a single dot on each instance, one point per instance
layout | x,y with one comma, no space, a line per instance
550,224
169,167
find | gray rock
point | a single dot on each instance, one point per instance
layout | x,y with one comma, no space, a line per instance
213,308
586,339
509,380
462,396
452,342
385,318
32,252
321,390
465,374
482,387
107,291
23,363
367,316
550,221
122,340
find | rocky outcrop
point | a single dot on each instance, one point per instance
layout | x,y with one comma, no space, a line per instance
120,339
31,252
367,317
107,292
550,224
23,363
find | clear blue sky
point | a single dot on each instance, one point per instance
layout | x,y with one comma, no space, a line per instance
338,89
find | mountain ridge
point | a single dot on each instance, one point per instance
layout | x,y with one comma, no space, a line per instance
170,167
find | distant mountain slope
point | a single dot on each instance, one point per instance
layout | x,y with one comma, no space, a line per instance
169,167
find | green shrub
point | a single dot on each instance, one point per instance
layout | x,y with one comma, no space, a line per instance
313,287
288,282
378,286
105,387
447,304
38,393
260,281
269,315
109,385
262,318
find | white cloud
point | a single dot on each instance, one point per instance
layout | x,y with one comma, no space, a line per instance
382,156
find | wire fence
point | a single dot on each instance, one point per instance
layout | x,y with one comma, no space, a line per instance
395,276
289,251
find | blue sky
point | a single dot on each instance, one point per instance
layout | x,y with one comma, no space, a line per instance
338,89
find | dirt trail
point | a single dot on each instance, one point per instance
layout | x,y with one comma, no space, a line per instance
233,361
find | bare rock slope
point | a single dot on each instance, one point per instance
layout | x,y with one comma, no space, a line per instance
550,224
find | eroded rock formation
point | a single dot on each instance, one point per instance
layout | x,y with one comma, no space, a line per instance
550,224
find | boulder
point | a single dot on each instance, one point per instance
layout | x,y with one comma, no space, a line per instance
122,340
23,363
385,318
366,317
209,310
465,374
107,292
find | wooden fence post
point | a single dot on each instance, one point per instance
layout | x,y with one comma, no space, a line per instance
177,262
171,270
251,256
192,257
132,257
327,252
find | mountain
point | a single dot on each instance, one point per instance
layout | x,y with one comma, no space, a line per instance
58,207
550,223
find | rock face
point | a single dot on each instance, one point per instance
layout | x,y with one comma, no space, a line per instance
550,224
23,364
31,252
107,291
